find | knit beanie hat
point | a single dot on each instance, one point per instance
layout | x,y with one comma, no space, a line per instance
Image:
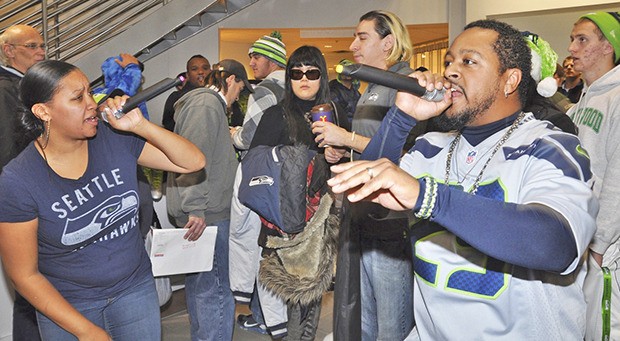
609,24
544,60
271,47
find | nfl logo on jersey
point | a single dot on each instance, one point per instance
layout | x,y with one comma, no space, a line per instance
471,156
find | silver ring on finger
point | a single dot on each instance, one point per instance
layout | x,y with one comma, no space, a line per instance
370,172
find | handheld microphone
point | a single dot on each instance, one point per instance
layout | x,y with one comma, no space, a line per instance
391,80
145,95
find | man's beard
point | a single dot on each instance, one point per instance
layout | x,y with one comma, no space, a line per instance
446,123
460,120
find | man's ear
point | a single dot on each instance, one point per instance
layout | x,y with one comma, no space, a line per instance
230,80
388,43
41,111
7,49
608,49
513,79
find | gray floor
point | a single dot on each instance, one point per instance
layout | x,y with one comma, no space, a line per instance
175,323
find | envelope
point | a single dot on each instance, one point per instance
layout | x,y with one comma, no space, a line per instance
171,254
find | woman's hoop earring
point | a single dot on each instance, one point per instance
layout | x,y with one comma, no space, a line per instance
48,127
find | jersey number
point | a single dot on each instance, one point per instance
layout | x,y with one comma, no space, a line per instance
482,282
479,282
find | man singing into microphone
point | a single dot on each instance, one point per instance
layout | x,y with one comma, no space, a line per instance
503,201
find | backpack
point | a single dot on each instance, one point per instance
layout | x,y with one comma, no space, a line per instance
283,185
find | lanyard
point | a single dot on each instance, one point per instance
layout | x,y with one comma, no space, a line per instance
606,303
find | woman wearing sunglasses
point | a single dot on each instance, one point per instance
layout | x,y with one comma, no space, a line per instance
288,123
306,85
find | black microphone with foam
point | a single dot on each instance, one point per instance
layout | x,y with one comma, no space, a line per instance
391,80
145,95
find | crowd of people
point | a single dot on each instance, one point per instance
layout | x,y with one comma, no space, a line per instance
490,213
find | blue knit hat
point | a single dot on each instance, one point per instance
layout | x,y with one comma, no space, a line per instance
271,47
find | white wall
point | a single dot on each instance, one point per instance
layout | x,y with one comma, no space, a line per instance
265,14
283,14
525,14
532,15
481,9
552,20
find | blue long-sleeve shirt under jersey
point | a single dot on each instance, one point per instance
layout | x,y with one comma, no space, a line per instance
528,235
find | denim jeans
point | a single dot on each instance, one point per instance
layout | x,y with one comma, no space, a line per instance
210,302
133,315
386,289
257,313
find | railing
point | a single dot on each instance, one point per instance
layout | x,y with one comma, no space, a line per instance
72,27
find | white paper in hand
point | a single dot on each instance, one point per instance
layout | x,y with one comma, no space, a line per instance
171,254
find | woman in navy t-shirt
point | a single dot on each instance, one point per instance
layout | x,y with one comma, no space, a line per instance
69,235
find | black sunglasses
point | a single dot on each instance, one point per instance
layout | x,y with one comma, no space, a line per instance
311,75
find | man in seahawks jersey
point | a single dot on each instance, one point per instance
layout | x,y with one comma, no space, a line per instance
503,200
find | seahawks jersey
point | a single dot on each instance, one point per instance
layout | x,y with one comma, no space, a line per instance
463,294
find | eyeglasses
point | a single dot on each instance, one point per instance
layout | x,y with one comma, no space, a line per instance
311,75
32,46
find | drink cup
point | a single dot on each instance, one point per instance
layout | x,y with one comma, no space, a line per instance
322,112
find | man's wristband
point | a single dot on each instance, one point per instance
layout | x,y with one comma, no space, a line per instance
430,198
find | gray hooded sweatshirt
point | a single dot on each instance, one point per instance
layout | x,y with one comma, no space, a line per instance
200,116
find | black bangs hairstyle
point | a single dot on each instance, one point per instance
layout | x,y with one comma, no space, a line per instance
308,56
303,56
39,85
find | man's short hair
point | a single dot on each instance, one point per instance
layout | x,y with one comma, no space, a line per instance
512,52
607,27
196,56
5,38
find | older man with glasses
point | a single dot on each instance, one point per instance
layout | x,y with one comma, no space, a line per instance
21,47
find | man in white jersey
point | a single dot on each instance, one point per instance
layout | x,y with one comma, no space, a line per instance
503,200
595,49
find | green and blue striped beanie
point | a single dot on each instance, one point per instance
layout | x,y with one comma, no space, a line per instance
271,47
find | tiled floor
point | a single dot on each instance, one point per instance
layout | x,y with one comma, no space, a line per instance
175,322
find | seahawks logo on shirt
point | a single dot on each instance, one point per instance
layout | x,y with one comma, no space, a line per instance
82,228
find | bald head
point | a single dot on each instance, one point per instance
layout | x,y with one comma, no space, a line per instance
20,47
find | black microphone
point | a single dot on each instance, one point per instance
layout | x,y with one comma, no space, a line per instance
391,80
145,95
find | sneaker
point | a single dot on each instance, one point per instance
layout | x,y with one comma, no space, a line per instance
247,322
156,194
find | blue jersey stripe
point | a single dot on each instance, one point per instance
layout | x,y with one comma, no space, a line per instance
576,167
425,148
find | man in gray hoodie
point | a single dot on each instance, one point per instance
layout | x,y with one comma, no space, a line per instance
595,48
203,198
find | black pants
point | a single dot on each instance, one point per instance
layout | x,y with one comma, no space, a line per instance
25,327
303,321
